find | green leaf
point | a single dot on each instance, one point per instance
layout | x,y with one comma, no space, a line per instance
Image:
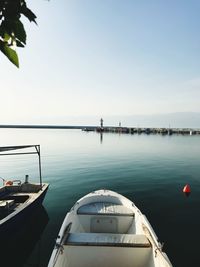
6,37
9,53
19,31
6,27
2,29
19,44
28,13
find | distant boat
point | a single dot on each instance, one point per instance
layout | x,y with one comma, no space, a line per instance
17,198
105,228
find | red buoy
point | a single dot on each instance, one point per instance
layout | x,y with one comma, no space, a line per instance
186,190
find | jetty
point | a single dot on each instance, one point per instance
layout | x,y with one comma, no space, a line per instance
136,130
112,129
141,130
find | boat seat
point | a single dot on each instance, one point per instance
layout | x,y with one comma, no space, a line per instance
111,240
6,203
105,208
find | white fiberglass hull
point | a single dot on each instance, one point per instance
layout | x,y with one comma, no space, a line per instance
106,229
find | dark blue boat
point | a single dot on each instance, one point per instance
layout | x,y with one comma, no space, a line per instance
19,199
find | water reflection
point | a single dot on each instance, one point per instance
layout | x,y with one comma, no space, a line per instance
101,137
16,248
151,170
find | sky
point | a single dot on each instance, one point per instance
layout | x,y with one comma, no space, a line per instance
104,58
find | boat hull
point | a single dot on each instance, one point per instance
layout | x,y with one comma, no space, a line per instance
28,238
11,224
105,228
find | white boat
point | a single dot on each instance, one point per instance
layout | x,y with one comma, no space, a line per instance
19,198
106,229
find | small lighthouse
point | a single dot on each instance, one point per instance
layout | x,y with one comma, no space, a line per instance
101,123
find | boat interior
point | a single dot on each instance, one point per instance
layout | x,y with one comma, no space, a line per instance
104,234
13,195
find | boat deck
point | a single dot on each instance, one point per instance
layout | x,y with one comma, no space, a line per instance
101,236
91,254
11,197
111,240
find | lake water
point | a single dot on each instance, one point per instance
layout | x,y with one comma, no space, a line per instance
151,170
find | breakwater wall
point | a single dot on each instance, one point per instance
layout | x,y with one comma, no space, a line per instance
111,129
136,130
16,126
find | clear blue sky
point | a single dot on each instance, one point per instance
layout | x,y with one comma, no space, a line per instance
103,58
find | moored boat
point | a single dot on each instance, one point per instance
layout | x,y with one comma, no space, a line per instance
105,228
19,198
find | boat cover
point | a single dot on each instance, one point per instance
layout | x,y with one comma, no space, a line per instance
102,239
104,208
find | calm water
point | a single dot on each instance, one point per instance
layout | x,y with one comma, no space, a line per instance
151,170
